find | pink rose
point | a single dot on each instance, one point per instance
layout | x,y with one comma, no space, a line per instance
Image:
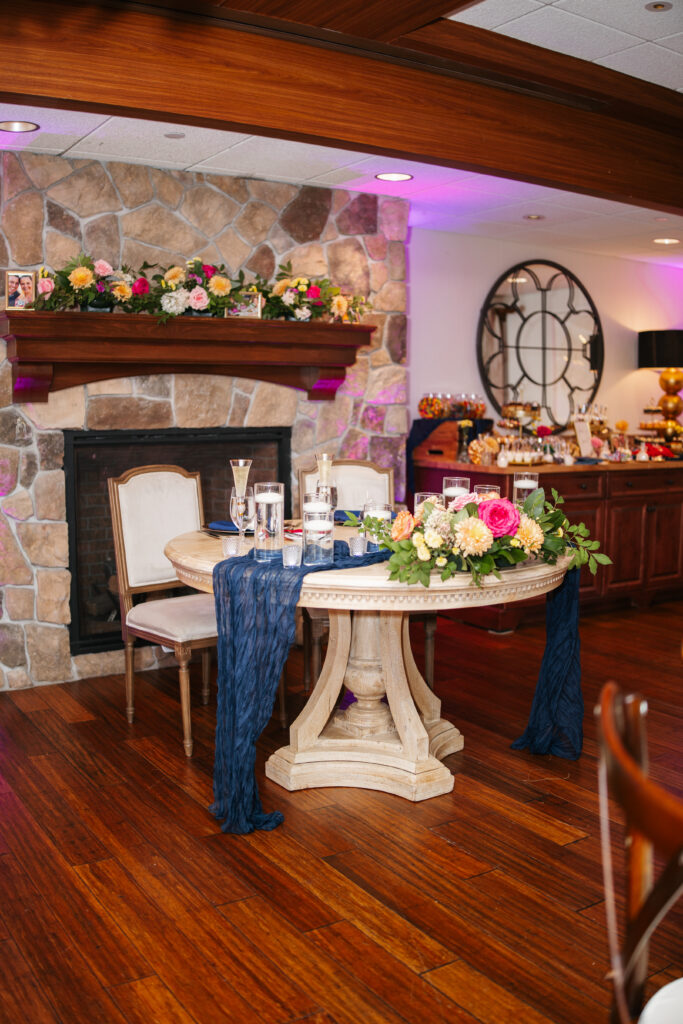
462,500
103,269
208,270
45,286
501,517
140,286
313,292
198,298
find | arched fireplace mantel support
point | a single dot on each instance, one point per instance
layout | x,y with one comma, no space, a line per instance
50,351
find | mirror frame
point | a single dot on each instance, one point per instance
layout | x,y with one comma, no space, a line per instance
592,350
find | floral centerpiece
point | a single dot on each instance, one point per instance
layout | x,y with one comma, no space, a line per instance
85,283
481,534
197,287
304,298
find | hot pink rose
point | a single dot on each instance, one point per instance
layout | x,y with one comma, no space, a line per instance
103,269
198,298
45,286
209,270
140,286
313,292
501,517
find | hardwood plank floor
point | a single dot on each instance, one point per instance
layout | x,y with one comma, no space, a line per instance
122,901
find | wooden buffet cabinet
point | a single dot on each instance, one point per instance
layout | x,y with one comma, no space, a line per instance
635,510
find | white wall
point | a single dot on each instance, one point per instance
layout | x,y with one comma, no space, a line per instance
450,276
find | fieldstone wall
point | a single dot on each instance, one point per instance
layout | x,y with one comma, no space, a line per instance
50,210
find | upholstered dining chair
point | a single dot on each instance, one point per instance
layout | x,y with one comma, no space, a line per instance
357,482
654,825
149,506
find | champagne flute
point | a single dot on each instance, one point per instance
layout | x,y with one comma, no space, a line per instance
240,473
242,510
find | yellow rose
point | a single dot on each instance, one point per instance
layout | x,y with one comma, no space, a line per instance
175,275
81,277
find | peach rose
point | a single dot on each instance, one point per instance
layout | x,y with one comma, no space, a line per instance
403,526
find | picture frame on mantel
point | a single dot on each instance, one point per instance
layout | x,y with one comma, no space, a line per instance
253,308
20,289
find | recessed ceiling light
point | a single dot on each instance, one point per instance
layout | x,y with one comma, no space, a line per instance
174,135
666,241
18,126
533,216
658,7
393,176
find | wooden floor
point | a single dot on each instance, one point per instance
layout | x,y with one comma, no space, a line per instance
121,900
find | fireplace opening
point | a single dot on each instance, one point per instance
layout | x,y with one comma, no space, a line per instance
91,457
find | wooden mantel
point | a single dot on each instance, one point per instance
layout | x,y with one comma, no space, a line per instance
51,351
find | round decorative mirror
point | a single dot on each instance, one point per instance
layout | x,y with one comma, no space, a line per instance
539,344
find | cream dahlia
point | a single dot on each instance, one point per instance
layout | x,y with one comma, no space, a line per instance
472,537
529,534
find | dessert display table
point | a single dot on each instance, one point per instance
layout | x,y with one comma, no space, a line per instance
393,744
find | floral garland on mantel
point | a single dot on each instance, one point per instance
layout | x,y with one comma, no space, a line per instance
89,284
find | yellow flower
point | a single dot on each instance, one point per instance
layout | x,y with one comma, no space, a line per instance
121,291
473,536
301,283
81,277
163,282
441,561
280,287
529,534
175,275
423,553
219,285
339,305
432,538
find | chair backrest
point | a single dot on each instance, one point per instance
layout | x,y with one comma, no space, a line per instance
357,481
654,823
149,506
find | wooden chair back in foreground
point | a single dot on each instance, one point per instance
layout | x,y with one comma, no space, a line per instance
654,825
149,506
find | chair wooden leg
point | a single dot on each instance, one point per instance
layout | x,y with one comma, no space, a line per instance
206,674
183,655
282,693
130,679
306,634
430,635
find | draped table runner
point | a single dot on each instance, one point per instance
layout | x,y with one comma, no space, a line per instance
255,611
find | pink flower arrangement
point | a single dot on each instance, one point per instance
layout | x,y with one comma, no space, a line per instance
102,268
501,517
198,299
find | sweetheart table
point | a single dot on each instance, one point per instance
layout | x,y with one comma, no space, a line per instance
392,737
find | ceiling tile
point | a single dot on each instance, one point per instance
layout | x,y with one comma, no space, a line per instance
649,61
493,13
362,174
59,129
672,42
133,141
556,30
281,159
628,16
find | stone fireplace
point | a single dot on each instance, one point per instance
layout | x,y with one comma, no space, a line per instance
51,209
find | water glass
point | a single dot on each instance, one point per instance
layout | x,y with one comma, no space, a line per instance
230,545
357,545
318,534
270,521
487,490
291,555
524,483
454,486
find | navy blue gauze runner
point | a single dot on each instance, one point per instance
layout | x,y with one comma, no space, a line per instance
556,719
255,603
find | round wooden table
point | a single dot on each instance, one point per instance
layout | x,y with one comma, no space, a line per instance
393,745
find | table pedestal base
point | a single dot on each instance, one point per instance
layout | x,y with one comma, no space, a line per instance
391,739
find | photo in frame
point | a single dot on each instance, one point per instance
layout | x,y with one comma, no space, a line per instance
252,306
20,289
583,437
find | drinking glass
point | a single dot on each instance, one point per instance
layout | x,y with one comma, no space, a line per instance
242,510
488,489
230,545
376,510
523,484
318,535
269,532
240,473
454,486
291,554
358,545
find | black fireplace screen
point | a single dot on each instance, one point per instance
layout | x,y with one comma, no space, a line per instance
90,458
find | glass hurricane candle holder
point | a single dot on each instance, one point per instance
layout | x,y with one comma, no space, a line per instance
490,490
524,483
269,532
318,538
454,486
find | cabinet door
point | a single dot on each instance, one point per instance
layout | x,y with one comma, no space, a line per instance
625,543
593,515
664,540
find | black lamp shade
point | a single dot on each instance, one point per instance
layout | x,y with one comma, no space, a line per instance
660,349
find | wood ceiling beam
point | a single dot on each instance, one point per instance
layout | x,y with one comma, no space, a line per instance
147,64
